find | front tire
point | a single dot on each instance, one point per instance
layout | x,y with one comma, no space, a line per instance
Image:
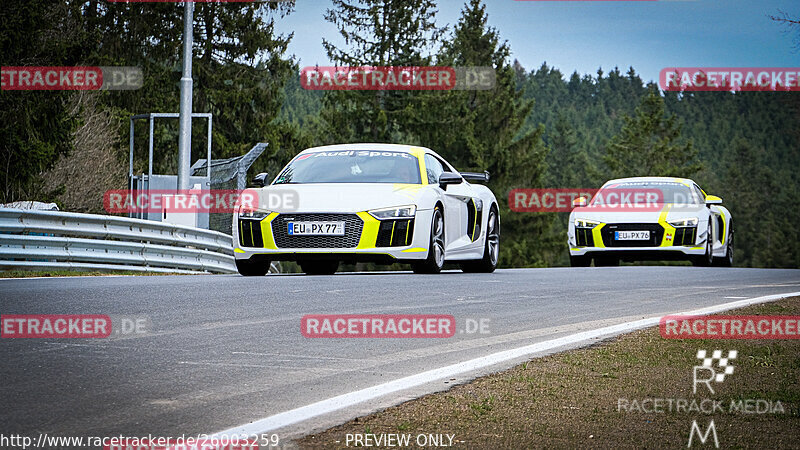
250,268
491,249
435,260
707,258
727,260
580,261
606,261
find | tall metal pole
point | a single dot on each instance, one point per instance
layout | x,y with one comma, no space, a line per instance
185,136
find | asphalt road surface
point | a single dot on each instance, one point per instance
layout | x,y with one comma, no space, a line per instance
223,351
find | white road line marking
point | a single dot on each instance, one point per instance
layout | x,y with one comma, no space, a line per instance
734,297
343,401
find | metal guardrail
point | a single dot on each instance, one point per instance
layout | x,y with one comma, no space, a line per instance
48,240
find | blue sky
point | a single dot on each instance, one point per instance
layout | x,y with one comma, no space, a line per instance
585,35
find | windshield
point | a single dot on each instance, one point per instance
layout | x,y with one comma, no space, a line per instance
362,166
661,192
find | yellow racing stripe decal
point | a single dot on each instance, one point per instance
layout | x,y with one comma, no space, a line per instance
369,234
420,154
475,224
669,231
266,232
597,236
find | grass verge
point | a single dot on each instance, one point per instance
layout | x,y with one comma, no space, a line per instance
571,399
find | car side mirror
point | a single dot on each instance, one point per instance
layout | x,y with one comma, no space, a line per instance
447,178
579,202
713,200
476,177
261,179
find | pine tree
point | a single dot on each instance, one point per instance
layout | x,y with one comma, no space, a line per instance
239,68
36,127
569,165
482,130
377,33
648,145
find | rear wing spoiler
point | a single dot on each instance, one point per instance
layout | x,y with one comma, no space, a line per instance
476,177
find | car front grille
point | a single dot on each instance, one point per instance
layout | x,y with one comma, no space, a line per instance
656,234
353,225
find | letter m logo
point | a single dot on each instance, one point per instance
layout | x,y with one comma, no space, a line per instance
703,436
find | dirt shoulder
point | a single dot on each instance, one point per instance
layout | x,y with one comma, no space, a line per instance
604,396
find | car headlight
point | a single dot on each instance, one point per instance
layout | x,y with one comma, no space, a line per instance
688,222
584,223
399,212
253,215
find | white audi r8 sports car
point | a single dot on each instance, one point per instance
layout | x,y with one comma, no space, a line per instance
650,218
382,203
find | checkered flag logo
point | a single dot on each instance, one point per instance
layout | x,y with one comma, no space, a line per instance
722,363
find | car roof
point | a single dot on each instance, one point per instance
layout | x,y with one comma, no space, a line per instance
414,149
685,181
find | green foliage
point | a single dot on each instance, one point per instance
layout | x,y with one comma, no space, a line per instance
746,143
482,130
35,126
763,227
581,131
647,145
569,165
239,70
377,33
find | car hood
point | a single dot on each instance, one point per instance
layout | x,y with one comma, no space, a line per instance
339,197
652,215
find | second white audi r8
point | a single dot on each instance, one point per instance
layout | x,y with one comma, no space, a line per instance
650,218
383,203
